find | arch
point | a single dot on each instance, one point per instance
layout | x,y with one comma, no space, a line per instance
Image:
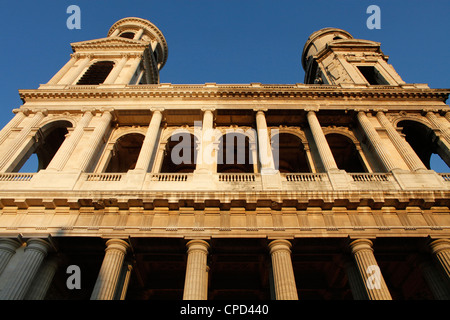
47,141
96,73
345,152
234,154
180,153
126,152
424,142
289,153
127,35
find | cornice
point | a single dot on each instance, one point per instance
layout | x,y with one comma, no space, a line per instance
238,91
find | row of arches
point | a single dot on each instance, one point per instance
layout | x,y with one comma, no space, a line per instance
236,152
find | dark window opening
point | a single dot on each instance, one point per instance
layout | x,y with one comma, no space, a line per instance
372,75
234,155
345,153
181,154
97,73
128,35
289,154
126,153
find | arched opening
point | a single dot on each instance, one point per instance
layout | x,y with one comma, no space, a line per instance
128,35
97,73
289,154
345,153
46,143
234,154
426,144
180,154
126,152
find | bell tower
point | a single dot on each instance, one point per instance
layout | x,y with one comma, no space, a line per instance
133,52
332,56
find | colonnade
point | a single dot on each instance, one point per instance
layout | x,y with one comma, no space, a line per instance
32,275
29,120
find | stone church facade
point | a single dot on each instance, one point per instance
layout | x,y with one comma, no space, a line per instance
316,190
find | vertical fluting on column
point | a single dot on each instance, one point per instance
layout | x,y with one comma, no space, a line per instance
150,140
447,116
321,142
62,72
8,248
43,280
444,129
65,151
196,271
376,142
95,139
14,122
354,280
369,271
11,148
112,77
264,145
441,251
22,277
106,284
283,272
438,285
403,147
73,73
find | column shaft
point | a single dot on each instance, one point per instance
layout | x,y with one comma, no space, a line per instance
150,141
265,150
7,250
206,155
196,271
4,133
321,142
367,265
441,251
376,142
445,130
95,140
283,272
73,73
106,284
403,147
22,277
439,286
112,77
62,72
42,281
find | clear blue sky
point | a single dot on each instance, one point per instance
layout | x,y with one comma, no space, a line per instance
222,41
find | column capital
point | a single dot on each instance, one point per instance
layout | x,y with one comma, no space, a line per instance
439,245
211,109
40,245
280,244
9,245
361,244
157,109
117,244
260,110
200,245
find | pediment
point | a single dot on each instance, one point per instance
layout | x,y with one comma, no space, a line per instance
110,42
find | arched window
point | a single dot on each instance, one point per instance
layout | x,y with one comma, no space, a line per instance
181,153
46,143
97,73
345,153
126,153
289,154
234,154
425,143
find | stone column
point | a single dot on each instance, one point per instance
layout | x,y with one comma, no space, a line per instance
62,72
74,72
196,271
138,34
265,150
11,148
447,116
321,142
438,285
283,272
43,280
22,277
13,123
7,250
65,151
441,251
105,286
354,281
206,156
369,271
403,147
445,130
150,140
112,77
376,142
95,140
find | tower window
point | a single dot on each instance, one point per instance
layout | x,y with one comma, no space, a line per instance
97,73
372,75
128,35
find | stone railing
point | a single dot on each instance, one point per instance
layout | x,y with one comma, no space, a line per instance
445,176
304,177
16,176
104,176
170,177
370,177
237,177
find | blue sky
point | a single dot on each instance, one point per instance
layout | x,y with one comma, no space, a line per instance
222,41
